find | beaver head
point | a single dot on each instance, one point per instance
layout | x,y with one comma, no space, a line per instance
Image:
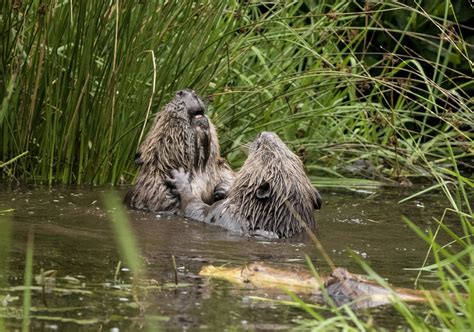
188,141
181,137
272,192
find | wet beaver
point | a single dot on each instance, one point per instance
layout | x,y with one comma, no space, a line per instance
271,195
181,136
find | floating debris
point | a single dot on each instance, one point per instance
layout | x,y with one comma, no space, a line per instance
342,286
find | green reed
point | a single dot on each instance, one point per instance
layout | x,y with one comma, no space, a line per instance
127,245
448,263
28,282
82,77
451,310
324,81
384,83
129,252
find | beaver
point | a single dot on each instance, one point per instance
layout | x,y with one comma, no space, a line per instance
181,137
271,196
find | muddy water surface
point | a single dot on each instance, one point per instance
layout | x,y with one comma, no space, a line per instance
74,237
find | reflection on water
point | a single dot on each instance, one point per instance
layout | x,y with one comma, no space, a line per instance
73,236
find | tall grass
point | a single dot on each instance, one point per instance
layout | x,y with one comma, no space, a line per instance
449,264
344,83
384,82
129,252
79,79
127,244
28,282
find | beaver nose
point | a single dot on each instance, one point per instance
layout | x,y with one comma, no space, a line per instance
193,104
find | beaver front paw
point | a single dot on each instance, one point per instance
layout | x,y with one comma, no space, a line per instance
179,181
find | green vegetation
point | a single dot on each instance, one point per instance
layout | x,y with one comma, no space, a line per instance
387,85
451,267
28,282
80,80
347,84
123,233
365,92
129,251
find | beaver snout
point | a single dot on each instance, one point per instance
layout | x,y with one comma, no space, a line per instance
192,102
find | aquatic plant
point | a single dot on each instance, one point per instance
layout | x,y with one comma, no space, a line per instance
449,265
127,245
350,88
372,91
80,80
28,280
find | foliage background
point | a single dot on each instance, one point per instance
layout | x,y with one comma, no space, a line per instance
375,90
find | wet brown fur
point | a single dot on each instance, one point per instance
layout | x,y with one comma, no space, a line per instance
176,140
271,176
270,197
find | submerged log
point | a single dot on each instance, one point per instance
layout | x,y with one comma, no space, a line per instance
341,285
345,287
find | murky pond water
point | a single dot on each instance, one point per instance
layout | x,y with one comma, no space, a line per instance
73,236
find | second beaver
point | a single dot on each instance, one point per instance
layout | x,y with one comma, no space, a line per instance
271,196
181,137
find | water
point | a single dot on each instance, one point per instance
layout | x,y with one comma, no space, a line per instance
74,237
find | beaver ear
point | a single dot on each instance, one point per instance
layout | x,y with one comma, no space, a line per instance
318,203
138,158
263,191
